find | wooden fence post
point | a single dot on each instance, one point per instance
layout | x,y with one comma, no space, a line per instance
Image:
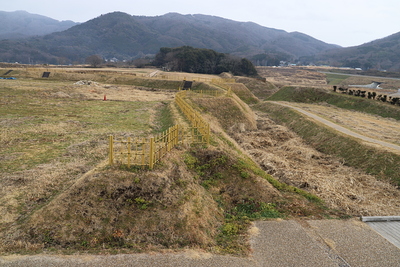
176,135
111,151
151,153
169,139
143,152
208,134
129,152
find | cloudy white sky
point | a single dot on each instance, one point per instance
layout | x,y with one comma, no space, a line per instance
342,22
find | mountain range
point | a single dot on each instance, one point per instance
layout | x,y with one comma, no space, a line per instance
21,24
124,37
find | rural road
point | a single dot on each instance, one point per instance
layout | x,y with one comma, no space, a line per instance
340,128
358,75
280,243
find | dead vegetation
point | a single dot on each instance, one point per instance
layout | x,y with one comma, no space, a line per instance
53,132
134,210
286,157
198,197
230,112
292,76
260,88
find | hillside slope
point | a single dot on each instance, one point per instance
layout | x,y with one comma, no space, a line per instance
21,24
381,54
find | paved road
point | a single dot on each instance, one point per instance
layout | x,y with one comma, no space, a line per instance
278,243
340,128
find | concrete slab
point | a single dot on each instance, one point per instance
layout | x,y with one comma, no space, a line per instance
357,243
285,243
389,230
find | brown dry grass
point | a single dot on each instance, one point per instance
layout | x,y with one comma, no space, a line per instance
373,126
54,204
292,76
285,156
47,144
231,112
63,202
261,89
166,208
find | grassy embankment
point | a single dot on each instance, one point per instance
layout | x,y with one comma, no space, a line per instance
200,198
382,164
335,79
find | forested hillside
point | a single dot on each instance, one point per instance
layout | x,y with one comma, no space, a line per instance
21,24
125,37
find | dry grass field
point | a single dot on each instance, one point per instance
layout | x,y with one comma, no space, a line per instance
284,76
56,191
53,132
288,158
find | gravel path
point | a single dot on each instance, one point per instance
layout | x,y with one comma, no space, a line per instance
321,243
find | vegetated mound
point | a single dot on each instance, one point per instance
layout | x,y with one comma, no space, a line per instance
316,95
226,75
203,198
243,93
285,156
230,112
261,89
139,210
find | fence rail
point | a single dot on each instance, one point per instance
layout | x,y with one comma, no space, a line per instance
147,152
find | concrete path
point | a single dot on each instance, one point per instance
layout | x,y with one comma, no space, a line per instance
340,128
321,243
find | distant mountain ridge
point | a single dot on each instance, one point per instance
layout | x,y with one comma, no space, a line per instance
125,37
21,24
381,54
120,35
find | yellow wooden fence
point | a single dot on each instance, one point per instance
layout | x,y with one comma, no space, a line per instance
147,152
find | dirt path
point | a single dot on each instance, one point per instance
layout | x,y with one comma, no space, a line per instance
370,126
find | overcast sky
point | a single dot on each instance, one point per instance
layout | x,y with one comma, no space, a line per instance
342,22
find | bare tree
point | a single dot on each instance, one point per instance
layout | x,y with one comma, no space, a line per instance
94,60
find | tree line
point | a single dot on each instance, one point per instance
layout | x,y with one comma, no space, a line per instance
200,60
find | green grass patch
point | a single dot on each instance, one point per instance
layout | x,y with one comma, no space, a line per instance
384,165
245,95
335,79
37,127
164,118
